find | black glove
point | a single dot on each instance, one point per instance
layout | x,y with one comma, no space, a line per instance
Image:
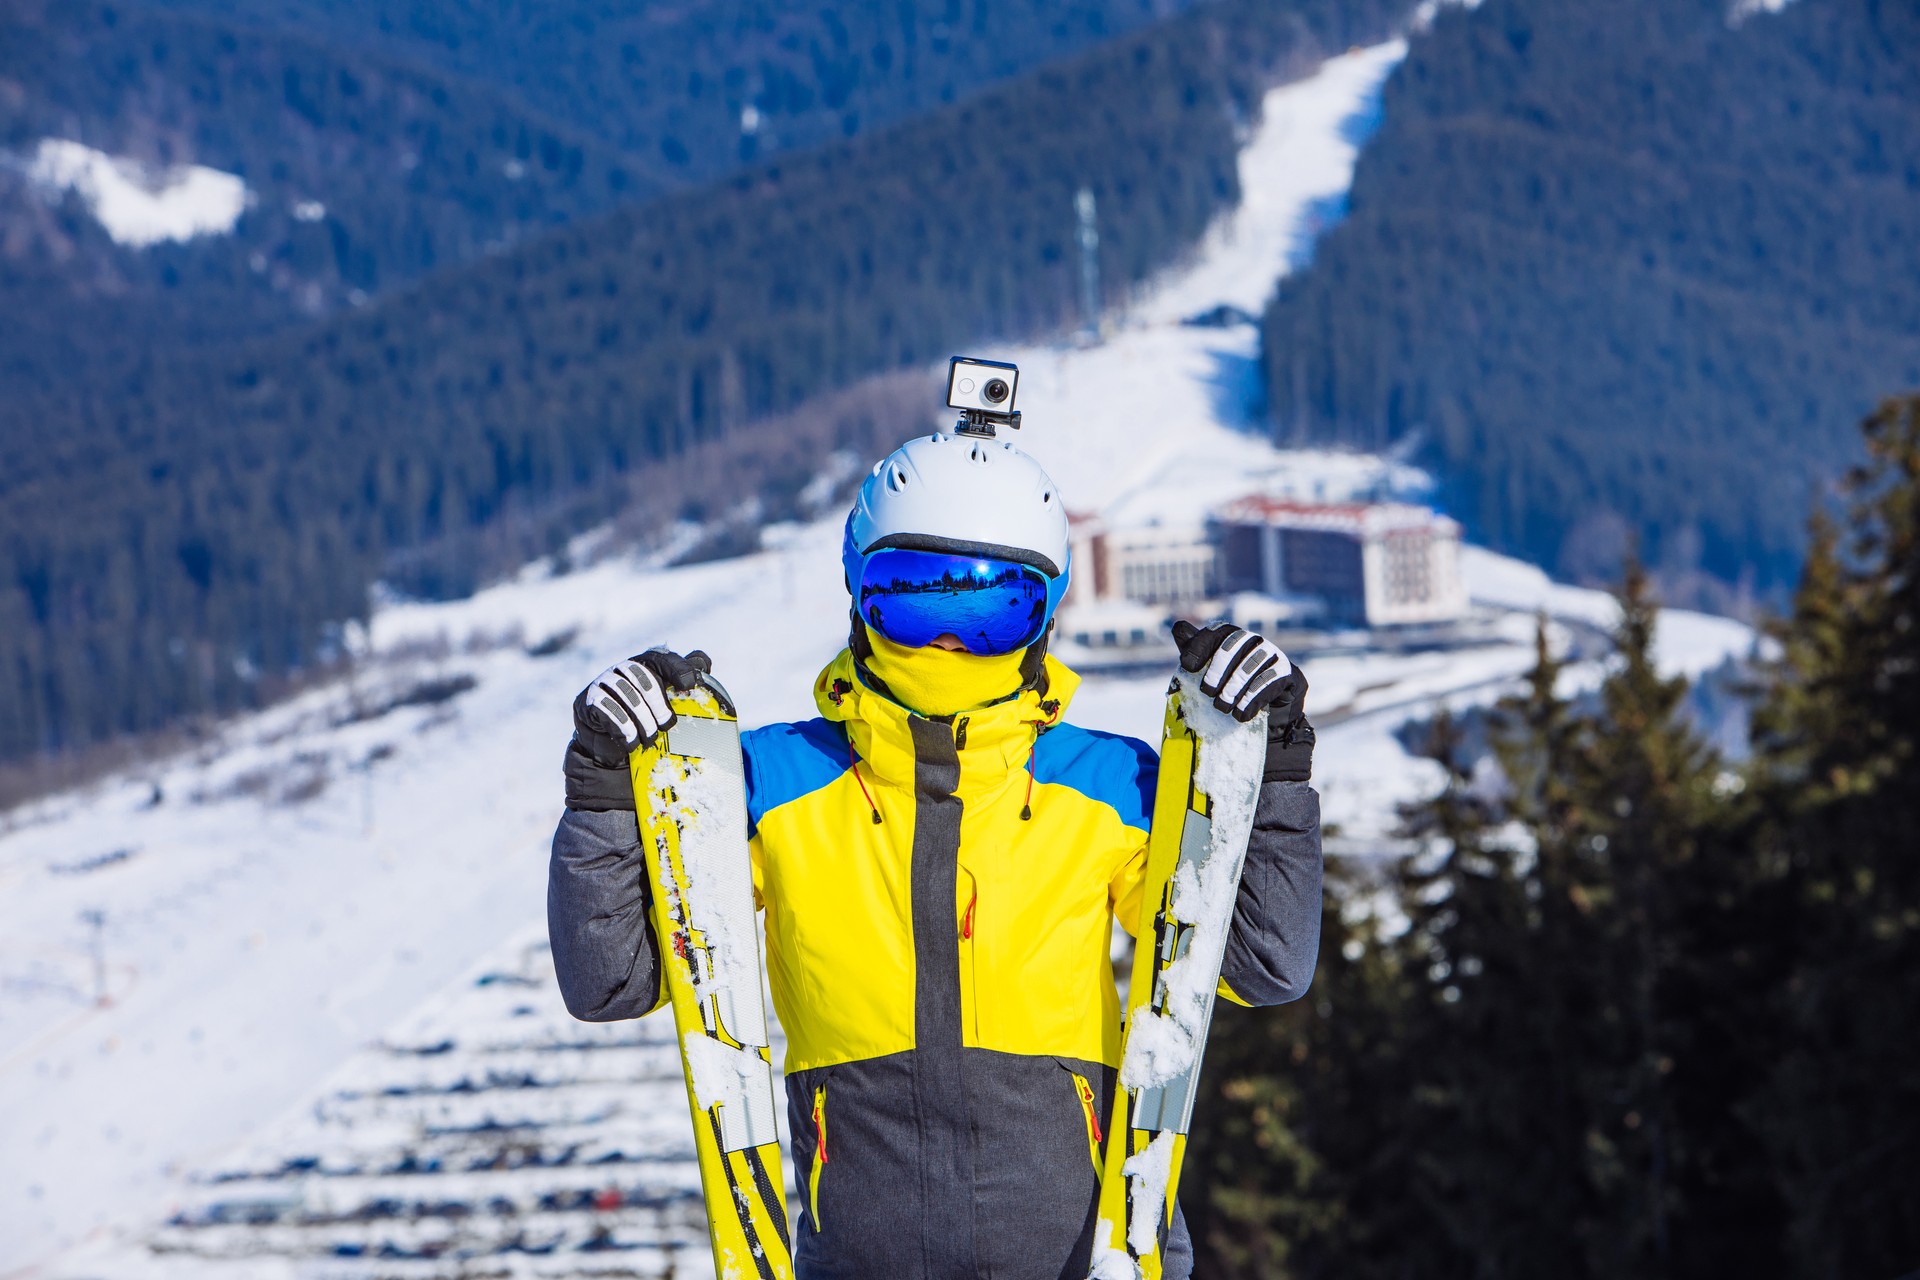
625,706
1241,671
1289,736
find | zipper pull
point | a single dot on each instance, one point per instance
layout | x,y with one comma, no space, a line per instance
960,735
966,921
1087,1100
820,1122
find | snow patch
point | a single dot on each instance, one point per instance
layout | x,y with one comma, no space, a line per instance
722,1075
137,205
1231,752
1158,1049
1293,172
710,840
1148,1169
1110,1263
1685,643
1740,10
1425,13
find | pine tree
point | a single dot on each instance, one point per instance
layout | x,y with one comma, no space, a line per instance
1489,1092
1648,1016
1500,938
1547,931
1836,836
1645,783
1300,1141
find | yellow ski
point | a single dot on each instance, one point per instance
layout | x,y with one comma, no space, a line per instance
690,790
1194,855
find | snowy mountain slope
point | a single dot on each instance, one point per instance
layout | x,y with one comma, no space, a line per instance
324,868
490,1133
1163,417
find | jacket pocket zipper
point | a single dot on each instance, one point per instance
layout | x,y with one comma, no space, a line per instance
968,956
819,1153
1089,1107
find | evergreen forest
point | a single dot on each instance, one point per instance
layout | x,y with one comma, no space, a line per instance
383,141
184,530
1616,271
1636,1009
671,83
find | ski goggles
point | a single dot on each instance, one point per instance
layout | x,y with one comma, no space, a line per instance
991,606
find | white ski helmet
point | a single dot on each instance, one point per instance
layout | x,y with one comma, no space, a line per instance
963,495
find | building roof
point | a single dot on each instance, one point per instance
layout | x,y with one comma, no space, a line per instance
1359,519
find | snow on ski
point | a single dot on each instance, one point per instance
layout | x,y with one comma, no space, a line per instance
1210,767
690,786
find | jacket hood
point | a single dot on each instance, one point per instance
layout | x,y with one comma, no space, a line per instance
993,743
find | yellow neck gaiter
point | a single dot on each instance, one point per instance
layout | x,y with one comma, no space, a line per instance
939,682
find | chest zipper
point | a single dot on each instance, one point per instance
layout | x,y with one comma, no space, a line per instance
819,1154
1089,1108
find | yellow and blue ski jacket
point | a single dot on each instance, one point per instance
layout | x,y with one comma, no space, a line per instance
939,897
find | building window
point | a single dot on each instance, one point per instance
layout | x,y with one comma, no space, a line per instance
1169,579
1409,568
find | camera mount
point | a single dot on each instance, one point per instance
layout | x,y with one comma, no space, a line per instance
983,422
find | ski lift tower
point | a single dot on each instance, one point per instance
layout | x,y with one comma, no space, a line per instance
1088,236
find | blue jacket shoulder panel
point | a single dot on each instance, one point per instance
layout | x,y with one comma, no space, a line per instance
787,761
1108,768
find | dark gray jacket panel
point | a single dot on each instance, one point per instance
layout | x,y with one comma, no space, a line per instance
1030,1203
1275,938
597,902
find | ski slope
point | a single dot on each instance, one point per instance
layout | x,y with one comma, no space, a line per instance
330,1044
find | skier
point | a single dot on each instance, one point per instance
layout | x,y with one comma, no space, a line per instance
940,857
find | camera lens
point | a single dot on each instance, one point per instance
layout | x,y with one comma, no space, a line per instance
995,391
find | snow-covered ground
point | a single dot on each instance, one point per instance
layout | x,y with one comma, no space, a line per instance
490,1125
289,919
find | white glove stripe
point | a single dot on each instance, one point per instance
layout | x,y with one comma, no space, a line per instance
1223,660
616,713
630,698
651,694
1271,675
644,695
1260,658
649,721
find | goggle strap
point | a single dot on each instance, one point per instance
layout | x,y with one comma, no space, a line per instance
962,548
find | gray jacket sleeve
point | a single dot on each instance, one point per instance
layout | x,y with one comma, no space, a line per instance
604,951
1275,939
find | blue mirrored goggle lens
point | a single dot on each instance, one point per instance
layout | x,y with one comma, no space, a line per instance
914,597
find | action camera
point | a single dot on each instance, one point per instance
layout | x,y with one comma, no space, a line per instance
983,392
